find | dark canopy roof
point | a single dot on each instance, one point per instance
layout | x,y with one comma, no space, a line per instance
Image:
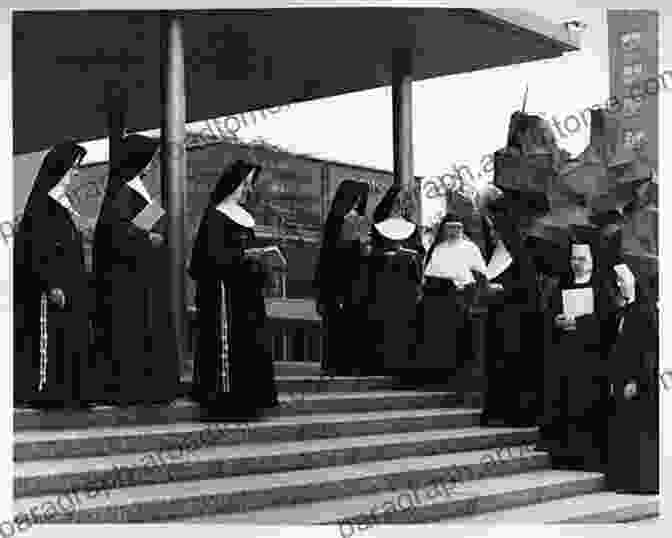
242,60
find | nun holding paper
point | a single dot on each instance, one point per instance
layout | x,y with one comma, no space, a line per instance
233,367
576,388
137,348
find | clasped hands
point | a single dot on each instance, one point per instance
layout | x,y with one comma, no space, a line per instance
57,296
156,239
565,322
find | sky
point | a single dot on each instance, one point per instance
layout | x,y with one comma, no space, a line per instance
457,119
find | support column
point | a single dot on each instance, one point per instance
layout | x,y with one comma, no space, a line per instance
402,116
174,166
116,103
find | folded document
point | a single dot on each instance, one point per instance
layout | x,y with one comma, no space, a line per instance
577,302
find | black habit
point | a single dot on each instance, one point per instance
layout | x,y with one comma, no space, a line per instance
136,342
633,450
576,380
395,277
514,341
340,282
51,342
233,367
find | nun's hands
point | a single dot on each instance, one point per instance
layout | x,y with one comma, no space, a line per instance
58,297
156,239
566,323
630,390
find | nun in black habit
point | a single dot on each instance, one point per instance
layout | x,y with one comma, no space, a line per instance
233,367
395,280
576,388
340,282
51,303
633,450
136,344
514,342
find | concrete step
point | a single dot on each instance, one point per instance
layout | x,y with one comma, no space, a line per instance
186,410
296,380
106,437
178,500
317,383
292,368
359,513
603,507
175,463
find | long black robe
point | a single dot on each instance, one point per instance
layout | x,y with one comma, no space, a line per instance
633,450
444,336
576,382
137,357
340,282
233,366
391,308
514,341
48,255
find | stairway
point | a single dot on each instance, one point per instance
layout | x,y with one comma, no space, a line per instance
351,452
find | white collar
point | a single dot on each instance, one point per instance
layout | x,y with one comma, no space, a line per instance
59,194
138,186
236,213
583,279
395,228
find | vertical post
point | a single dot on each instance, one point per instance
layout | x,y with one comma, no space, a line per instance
174,165
402,116
116,102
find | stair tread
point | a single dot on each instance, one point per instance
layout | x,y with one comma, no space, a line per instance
348,508
283,397
247,450
297,478
559,510
31,436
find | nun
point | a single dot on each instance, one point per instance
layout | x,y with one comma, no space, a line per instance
633,423
514,357
137,347
395,281
51,303
339,281
454,271
233,368
576,388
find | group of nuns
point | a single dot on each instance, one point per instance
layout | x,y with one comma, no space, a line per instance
407,310
76,348
587,377
585,373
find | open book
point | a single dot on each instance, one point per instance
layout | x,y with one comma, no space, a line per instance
149,216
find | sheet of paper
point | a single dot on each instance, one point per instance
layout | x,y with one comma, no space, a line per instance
267,251
149,216
577,302
500,261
